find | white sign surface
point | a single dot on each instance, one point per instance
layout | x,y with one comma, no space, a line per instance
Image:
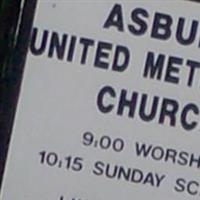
109,104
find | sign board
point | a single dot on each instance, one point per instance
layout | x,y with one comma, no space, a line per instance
109,103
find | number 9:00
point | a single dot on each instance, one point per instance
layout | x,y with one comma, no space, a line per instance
104,142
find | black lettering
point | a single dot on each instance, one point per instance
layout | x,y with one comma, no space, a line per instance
142,149
172,70
183,158
180,185
171,154
120,67
131,104
193,65
184,120
107,90
111,172
40,50
194,160
86,44
180,29
102,53
137,176
98,168
58,46
136,17
157,153
115,18
169,109
193,187
154,67
71,48
144,105
161,26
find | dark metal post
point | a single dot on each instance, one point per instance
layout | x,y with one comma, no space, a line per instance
16,17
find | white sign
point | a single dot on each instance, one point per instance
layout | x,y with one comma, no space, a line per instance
109,103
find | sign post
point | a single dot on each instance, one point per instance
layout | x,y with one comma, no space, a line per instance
16,19
109,103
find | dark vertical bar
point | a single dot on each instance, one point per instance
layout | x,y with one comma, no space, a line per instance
9,15
13,50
